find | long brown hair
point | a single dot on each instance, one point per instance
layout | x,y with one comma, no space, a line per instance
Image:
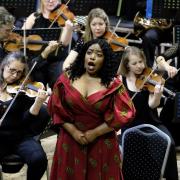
94,13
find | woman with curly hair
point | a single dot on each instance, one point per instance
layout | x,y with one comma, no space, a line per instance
89,104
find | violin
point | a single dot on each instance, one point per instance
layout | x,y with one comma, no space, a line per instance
30,88
61,14
116,43
148,81
15,42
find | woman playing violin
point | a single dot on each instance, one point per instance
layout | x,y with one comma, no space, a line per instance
41,19
132,65
97,26
50,69
26,118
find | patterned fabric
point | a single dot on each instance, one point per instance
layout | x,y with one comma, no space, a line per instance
143,153
99,160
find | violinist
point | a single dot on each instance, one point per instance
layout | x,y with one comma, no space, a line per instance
132,65
97,26
173,81
26,118
6,27
50,69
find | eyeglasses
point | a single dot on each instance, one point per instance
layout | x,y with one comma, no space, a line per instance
14,71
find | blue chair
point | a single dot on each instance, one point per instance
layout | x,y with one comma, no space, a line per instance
145,150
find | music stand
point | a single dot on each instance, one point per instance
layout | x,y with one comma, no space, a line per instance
47,34
20,8
167,9
176,34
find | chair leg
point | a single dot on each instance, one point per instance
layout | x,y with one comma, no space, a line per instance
47,172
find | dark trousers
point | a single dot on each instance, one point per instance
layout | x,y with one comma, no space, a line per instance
32,153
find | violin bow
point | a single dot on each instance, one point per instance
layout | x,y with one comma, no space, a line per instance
59,13
21,87
24,38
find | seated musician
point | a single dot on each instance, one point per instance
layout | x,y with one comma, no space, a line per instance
97,26
52,67
146,101
172,69
6,26
22,118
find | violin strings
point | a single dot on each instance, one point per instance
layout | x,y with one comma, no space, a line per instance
145,80
21,87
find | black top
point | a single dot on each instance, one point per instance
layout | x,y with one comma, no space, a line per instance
144,114
41,22
18,122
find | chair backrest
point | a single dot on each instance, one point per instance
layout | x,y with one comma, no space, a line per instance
145,149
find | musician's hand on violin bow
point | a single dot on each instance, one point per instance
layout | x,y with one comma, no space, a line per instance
164,65
50,48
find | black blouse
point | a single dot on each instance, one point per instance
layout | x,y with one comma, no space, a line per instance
144,114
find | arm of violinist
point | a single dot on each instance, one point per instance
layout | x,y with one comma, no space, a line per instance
66,35
164,65
40,99
155,98
70,59
73,53
28,24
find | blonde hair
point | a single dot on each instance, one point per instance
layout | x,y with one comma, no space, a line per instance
41,6
94,13
130,50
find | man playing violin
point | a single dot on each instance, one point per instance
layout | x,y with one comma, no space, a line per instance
26,118
133,64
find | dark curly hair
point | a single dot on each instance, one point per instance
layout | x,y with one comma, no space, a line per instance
108,70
